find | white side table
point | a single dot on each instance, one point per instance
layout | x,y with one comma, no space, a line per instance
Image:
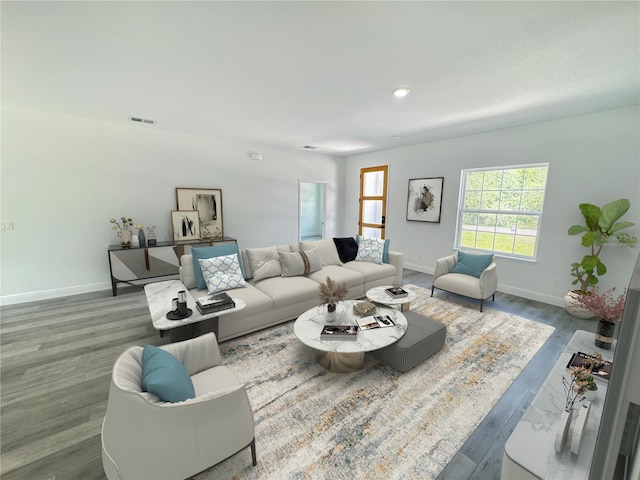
378,295
529,452
159,299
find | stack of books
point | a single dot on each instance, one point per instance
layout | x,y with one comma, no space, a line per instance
396,292
214,303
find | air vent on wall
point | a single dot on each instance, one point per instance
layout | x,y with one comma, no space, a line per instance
309,147
142,120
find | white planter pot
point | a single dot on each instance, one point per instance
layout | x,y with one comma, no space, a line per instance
573,308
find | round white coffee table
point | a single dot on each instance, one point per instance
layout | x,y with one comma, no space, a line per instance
343,356
378,295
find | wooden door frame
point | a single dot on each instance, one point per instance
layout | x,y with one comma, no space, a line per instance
382,227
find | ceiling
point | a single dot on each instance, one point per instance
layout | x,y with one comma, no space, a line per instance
321,74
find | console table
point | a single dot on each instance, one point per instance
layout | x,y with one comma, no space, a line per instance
529,452
142,263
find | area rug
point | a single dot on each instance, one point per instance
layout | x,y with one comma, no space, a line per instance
376,423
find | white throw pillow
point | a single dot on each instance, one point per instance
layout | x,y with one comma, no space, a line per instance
370,250
222,273
326,248
265,262
300,263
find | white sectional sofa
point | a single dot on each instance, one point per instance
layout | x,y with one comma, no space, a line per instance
277,298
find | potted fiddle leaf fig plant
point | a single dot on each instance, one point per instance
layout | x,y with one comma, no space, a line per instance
601,227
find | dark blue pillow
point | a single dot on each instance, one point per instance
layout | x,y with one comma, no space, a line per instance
347,248
212,252
164,376
472,264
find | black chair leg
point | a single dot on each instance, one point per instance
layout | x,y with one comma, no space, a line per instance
254,457
481,302
432,290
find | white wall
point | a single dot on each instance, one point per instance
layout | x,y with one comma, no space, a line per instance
63,178
593,158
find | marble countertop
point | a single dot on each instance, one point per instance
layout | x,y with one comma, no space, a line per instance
531,445
309,325
159,299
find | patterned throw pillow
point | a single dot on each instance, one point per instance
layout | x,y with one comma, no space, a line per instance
370,250
222,273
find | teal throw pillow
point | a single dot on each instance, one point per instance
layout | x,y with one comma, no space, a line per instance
385,252
202,253
472,264
164,376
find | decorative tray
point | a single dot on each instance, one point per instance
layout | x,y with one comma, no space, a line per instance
174,315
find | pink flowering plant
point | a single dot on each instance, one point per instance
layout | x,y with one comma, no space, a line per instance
605,306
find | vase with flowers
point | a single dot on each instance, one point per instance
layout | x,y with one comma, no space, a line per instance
578,387
608,308
123,229
332,293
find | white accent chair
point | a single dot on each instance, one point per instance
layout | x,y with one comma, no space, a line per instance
146,438
466,285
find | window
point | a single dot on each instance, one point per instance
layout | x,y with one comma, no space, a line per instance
500,209
373,201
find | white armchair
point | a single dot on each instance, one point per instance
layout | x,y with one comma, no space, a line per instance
146,438
467,285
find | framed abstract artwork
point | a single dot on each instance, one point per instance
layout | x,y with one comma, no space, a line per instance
424,199
207,202
185,225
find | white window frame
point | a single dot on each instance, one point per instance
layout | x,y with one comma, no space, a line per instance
462,211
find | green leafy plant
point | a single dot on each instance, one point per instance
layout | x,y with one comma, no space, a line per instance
601,226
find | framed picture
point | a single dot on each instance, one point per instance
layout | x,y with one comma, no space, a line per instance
208,203
424,200
185,225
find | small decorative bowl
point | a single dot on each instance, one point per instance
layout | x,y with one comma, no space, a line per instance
364,308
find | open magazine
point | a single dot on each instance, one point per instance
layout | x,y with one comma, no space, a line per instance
375,321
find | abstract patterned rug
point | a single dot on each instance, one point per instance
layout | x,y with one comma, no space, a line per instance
375,423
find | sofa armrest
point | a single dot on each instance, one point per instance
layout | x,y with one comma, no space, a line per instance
186,271
489,280
196,354
444,265
397,260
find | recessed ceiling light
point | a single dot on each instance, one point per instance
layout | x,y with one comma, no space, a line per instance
401,91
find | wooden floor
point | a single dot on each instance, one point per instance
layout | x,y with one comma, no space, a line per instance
55,364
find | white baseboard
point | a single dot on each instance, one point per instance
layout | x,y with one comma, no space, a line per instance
55,293
96,287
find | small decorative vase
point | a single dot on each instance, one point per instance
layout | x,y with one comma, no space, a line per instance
604,334
134,241
331,312
563,429
590,395
125,238
141,239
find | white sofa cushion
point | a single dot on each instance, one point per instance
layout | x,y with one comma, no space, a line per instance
286,291
265,262
339,274
326,248
460,283
372,271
